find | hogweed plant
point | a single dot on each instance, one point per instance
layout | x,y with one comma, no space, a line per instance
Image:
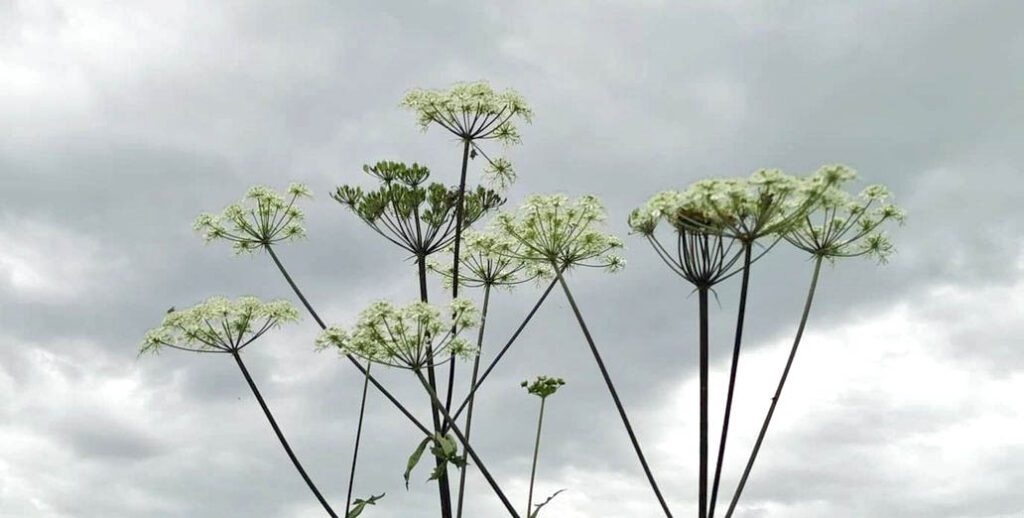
708,233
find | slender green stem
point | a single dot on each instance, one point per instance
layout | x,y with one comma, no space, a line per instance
443,487
732,376
536,452
469,412
778,390
280,436
614,394
359,435
702,492
469,449
508,345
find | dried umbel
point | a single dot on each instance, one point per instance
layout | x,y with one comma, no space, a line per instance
409,337
559,232
482,265
415,215
848,226
218,325
264,217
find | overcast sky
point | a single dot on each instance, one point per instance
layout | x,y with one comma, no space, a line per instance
121,123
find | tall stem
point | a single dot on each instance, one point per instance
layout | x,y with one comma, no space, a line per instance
443,487
469,412
614,394
536,451
469,449
459,218
778,390
280,436
702,492
359,434
741,314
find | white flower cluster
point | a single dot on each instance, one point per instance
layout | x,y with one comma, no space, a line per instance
263,218
482,265
219,325
848,226
552,230
471,111
410,337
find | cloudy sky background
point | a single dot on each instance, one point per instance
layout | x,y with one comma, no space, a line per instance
121,123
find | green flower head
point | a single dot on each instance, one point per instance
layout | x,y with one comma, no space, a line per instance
482,265
552,230
471,111
543,386
848,226
415,215
410,337
218,325
264,217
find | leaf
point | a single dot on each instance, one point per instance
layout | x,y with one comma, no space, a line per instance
360,503
537,507
415,459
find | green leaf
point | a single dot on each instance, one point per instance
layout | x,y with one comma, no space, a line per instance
414,459
536,510
360,504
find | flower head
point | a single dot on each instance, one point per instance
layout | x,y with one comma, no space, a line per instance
471,111
482,265
411,213
543,386
218,325
410,337
848,226
559,232
262,218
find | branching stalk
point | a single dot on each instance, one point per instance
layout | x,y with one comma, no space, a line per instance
741,314
359,435
280,436
471,398
778,390
702,492
536,452
614,394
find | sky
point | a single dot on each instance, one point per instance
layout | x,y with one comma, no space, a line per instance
123,121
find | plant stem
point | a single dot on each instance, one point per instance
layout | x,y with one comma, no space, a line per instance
359,434
501,354
778,390
460,216
614,394
702,492
280,436
536,451
741,314
443,488
469,412
469,449
352,359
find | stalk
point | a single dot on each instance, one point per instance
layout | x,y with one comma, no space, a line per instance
443,488
741,313
614,394
536,451
469,449
702,491
501,354
459,218
471,399
280,436
778,390
359,434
